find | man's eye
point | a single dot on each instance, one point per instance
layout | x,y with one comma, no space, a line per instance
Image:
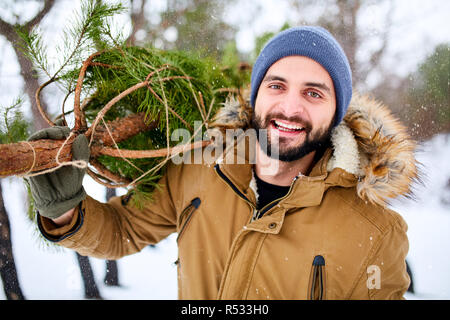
275,86
313,94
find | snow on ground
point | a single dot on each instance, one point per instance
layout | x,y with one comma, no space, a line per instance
428,221
53,273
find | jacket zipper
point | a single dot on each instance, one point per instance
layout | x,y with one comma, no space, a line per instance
235,189
317,279
272,204
188,211
256,213
231,184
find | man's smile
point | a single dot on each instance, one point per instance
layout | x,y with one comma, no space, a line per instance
284,128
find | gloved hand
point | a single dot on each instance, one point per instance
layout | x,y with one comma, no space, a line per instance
59,191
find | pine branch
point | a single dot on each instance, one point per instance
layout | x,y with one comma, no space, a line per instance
33,47
86,31
174,89
77,41
13,127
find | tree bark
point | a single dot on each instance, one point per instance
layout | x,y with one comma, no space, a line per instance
8,271
31,82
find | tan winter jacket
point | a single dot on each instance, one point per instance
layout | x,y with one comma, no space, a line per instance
331,237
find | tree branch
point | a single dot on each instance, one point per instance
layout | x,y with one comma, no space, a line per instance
26,67
137,20
7,30
48,5
25,157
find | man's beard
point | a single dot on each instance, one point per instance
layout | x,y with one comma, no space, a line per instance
313,141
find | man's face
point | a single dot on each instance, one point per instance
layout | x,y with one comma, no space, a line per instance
296,103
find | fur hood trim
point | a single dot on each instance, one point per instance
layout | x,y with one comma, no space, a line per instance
369,143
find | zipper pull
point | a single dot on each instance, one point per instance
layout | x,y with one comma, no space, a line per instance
318,261
317,281
196,202
254,215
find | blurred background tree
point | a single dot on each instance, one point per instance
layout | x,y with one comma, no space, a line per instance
13,128
427,94
420,99
192,25
27,70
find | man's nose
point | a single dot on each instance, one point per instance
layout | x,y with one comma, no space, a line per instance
293,103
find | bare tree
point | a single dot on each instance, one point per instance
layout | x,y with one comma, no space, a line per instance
197,23
138,19
27,71
343,19
91,290
8,272
31,82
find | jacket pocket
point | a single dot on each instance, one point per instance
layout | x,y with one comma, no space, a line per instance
316,288
186,215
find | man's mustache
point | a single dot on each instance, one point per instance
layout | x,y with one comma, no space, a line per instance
295,119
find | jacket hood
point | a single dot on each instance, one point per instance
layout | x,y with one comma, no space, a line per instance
370,143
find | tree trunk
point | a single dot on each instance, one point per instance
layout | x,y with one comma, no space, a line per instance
112,269
31,82
112,274
27,70
19,158
8,271
138,20
91,290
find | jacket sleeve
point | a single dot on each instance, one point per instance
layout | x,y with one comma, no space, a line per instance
118,228
385,276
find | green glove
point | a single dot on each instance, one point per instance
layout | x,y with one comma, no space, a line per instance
59,191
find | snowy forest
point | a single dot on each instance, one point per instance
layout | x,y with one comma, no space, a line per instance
399,52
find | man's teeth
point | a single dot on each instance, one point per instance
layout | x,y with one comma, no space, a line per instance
286,126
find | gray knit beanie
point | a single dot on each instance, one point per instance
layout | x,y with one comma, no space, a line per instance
317,44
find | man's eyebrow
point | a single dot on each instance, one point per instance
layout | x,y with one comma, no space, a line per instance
319,85
273,78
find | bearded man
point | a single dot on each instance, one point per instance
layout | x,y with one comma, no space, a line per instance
316,226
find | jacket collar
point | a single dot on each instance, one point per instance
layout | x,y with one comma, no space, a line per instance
305,190
370,150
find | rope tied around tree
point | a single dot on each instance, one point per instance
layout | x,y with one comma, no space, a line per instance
81,164
102,175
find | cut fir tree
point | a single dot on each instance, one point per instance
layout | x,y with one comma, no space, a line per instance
127,102
139,96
